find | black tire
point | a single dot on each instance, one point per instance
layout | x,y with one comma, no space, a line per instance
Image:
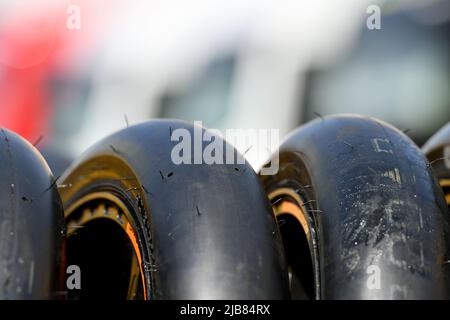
31,224
199,231
373,212
437,150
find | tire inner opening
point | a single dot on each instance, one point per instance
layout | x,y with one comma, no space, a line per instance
105,256
298,257
446,189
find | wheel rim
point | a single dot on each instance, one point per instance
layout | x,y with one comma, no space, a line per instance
108,209
445,184
291,214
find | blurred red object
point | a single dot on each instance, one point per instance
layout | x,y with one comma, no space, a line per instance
34,44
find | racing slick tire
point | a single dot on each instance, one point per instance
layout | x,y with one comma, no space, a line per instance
437,150
360,213
142,227
32,230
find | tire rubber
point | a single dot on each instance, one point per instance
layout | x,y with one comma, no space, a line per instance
31,223
204,231
371,207
437,150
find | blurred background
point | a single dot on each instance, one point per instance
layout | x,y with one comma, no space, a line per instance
72,72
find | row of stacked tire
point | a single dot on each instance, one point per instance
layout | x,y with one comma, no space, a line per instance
355,211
